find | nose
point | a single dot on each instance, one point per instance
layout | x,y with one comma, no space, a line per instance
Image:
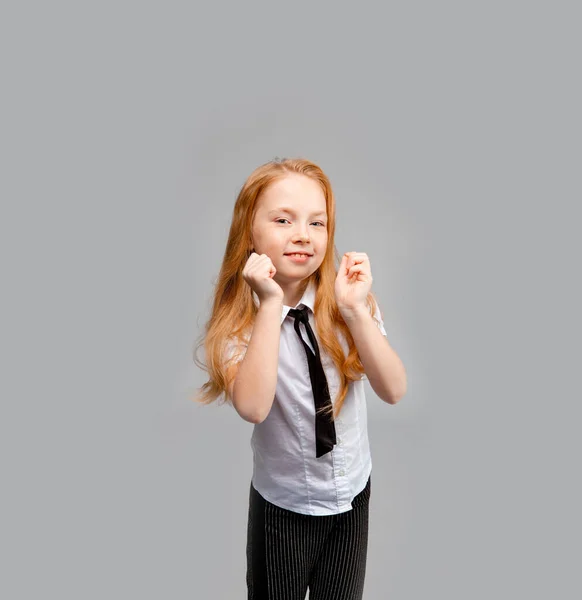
301,234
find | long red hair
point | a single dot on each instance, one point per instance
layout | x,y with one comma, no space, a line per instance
233,308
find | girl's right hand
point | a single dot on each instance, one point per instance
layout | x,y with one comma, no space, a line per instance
258,273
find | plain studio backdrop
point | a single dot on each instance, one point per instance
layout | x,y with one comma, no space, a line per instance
451,133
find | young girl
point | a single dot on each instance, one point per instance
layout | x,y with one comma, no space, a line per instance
289,341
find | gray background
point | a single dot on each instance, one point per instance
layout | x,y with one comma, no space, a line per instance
451,133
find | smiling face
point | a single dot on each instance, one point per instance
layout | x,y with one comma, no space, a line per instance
291,217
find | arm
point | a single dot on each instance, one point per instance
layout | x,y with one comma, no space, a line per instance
253,388
382,365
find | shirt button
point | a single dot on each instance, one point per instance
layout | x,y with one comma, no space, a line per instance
342,472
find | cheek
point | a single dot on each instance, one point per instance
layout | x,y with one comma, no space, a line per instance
273,245
277,239
269,239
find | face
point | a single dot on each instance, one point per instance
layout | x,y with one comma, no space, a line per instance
291,217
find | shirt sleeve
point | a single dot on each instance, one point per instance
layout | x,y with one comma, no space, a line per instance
379,321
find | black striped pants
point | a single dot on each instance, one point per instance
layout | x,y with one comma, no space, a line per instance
289,553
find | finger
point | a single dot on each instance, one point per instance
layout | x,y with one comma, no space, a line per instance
354,257
343,265
354,269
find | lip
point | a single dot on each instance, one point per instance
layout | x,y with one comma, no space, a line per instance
301,259
298,252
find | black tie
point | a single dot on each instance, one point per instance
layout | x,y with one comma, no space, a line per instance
324,425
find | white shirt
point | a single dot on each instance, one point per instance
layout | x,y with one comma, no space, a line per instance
285,469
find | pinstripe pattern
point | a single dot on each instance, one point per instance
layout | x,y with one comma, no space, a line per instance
289,553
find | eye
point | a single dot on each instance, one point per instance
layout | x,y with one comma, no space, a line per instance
319,222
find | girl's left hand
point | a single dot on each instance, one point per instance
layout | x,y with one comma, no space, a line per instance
353,281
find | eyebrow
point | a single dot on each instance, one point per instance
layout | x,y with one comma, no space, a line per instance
291,212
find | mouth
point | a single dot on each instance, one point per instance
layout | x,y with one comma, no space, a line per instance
299,256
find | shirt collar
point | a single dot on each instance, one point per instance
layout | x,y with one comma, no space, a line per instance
308,299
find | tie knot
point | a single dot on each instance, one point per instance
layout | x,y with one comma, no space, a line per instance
300,314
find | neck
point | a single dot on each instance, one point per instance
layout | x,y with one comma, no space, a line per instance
293,292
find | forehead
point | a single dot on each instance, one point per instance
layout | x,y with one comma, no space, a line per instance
294,191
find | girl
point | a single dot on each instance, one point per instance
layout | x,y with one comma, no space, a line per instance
289,341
